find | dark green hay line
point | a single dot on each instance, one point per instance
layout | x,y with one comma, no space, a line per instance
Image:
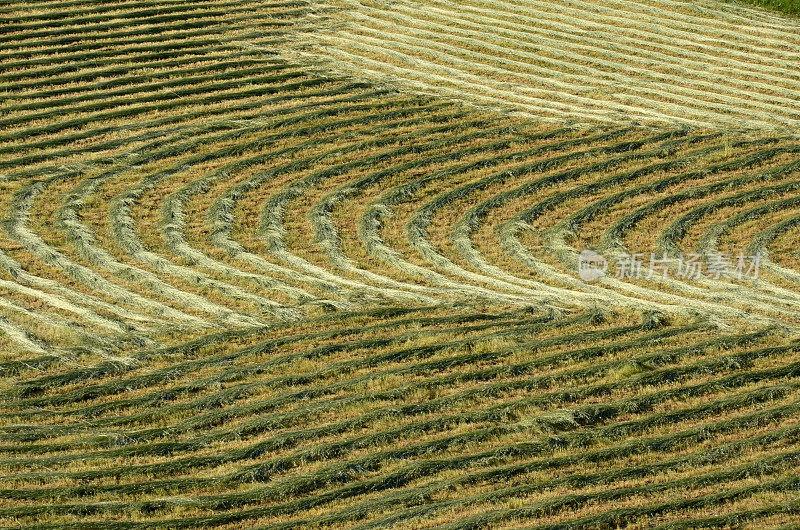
766,467
431,467
416,227
764,238
218,416
289,381
500,414
107,64
21,395
341,89
22,25
580,441
272,86
174,21
738,519
230,375
678,228
416,501
242,75
124,7
192,349
696,434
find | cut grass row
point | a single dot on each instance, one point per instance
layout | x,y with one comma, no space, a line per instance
181,198
568,74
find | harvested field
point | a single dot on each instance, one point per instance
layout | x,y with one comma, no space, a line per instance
644,61
298,264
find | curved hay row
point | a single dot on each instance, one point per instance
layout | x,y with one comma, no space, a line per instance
234,277
237,291
639,165
93,111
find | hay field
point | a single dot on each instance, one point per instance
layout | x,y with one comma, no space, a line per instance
300,264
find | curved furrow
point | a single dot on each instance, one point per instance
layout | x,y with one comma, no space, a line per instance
371,223
473,219
418,224
21,275
173,223
320,216
271,214
275,205
555,237
16,226
628,222
122,223
149,154
709,241
200,158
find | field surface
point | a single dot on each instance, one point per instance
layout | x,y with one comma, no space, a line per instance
300,264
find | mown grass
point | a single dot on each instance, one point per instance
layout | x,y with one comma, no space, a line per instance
367,346
791,7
